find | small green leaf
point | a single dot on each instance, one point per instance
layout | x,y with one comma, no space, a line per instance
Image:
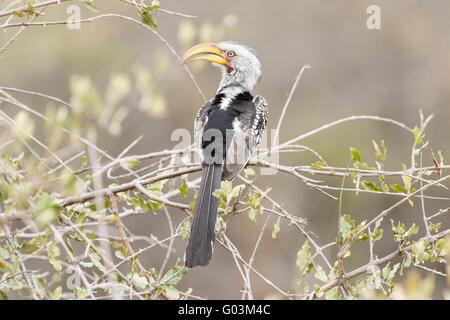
96,261
416,132
249,172
185,229
355,154
318,165
4,254
320,274
303,256
119,254
370,186
376,235
19,14
411,231
56,294
148,19
276,228
90,5
3,296
418,250
252,214
346,226
333,294
86,264
398,188
169,277
435,227
130,163
139,281
155,5
183,189
407,183
53,252
172,292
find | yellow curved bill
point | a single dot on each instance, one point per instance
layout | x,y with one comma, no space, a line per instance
205,51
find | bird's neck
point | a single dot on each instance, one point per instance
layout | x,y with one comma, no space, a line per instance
231,90
226,94
235,81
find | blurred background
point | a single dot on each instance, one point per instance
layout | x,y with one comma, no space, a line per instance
392,72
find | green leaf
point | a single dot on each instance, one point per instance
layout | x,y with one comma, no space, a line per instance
174,279
148,19
86,264
172,292
398,188
400,232
119,254
249,172
376,235
355,154
252,214
378,223
411,231
155,5
303,256
130,163
386,271
96,261
139,281
90,5
56,294
3,296
435,227
416,132
13,285
46,210
276,228
346,226
318,165
53,252
418,250
370,186
183,189
320,274
419,139
185,229
4,254
393,271
380,154
333,294
365,166
407,183
19,14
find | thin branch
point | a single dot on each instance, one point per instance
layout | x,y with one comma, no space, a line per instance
126,243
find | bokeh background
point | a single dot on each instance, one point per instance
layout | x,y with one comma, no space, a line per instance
392,72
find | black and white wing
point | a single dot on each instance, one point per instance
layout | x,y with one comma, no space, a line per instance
199,124
248,130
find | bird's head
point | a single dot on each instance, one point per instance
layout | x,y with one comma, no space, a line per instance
240,64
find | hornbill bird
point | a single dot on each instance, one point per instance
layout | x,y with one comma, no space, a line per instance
228,129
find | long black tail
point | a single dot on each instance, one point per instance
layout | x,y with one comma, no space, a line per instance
201,239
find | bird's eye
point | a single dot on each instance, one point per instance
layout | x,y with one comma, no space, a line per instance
231,53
